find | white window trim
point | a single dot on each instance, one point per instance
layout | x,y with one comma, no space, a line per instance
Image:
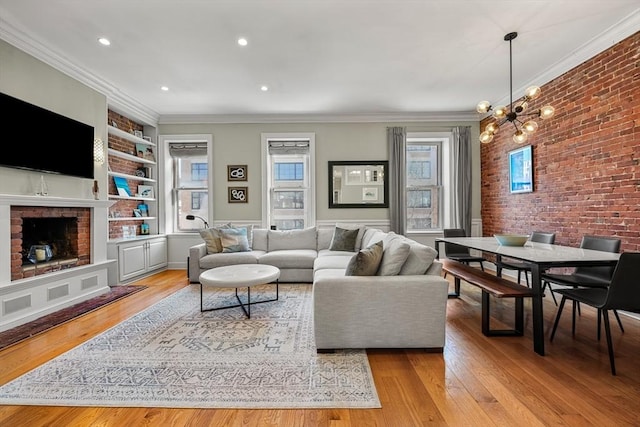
293,136
165,175
445,139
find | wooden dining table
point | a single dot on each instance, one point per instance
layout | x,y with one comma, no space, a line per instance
541,257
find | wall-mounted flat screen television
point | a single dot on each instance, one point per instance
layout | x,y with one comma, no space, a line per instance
43,140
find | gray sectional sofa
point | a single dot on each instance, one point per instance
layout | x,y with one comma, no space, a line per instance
402,306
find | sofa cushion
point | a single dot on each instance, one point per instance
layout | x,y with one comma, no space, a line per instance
366,261
259,239
211,236
230,258
332,262
393,257
234,240
324,238
420,259
294,258
343,240
292,239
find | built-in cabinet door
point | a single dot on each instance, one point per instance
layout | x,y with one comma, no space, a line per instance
132,259
157,253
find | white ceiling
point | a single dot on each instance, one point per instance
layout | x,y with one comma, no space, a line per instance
318,57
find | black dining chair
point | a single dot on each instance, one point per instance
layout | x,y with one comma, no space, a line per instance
622,293
588,277
520,266
457,252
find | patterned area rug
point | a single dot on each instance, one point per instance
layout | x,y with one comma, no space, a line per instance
172,355
44,323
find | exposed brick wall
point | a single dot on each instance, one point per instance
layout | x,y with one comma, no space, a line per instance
586,158
80,240
123,208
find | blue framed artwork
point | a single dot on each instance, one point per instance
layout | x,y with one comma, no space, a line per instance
521,170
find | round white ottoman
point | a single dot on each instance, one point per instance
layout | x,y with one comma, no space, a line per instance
240,276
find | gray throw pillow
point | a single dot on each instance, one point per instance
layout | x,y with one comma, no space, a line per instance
366,261
393,258
344,240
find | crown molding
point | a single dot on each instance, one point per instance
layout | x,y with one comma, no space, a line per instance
319,118
117,100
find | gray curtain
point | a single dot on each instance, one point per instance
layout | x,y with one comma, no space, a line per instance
461,186
397,142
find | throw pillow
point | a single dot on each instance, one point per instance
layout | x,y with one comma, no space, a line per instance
366,261
211,236
419,260
361,230
234,240
393,258
344,240
249,232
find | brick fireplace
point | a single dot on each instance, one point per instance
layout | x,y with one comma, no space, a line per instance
67,231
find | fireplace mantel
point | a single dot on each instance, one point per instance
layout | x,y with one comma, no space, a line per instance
18,200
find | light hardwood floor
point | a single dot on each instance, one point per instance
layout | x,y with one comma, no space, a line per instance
477,381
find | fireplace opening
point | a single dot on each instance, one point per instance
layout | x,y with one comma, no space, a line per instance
60,234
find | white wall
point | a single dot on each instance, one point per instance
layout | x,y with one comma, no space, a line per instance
240,144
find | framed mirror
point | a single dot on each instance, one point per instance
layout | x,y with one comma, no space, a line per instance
358,184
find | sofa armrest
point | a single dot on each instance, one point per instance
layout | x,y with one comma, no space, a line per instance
195,253
435,269
380,311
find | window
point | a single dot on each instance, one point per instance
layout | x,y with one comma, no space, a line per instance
189,169
424,183
288,182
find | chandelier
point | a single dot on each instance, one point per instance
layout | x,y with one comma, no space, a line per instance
523,122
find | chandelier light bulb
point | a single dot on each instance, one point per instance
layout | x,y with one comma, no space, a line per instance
520,108
530,126
483,107
519,137
532,92
486,137
492,128
500,112
547,112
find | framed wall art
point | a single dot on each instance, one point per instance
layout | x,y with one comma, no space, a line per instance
521,170
236,172
238,194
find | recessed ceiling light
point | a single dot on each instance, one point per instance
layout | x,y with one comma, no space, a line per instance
104,41
264,88
242,41
164,88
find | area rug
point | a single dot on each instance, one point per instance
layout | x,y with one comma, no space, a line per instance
44,323
172,355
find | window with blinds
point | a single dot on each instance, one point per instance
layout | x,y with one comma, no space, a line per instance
190,176
289,183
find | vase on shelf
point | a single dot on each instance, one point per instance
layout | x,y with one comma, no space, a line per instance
39,253
44,189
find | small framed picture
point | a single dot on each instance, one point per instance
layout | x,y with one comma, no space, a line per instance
147,138
236,172
145,191
137,213
238,194
145,151
138,133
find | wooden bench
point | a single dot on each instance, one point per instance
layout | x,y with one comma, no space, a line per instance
490,285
